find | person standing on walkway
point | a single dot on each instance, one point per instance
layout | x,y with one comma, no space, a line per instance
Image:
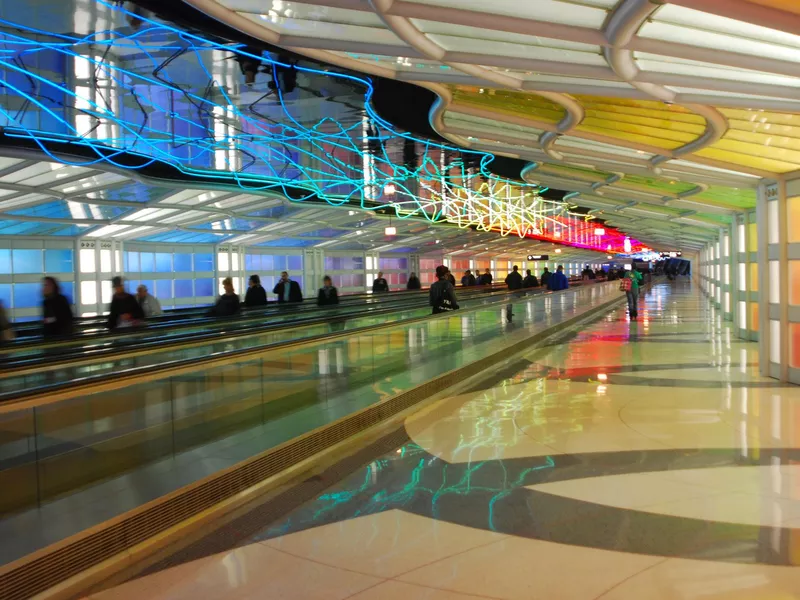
468,279
514,279
151,307
256,295
413,282
6,332
56,312
486,278
380,285
442,293
558,281
125,310
228,303
328,295
288,290
545,278
530,280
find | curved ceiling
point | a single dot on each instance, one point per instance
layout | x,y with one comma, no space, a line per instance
148,133
663,116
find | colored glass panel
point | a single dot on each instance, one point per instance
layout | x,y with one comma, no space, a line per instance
793,212
531,106
794,282
26,261
794,345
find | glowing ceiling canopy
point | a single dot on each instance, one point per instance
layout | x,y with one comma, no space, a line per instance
663,115
133,100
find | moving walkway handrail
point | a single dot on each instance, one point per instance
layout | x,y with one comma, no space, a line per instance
182,313
273,309
135,348
48,394
133,336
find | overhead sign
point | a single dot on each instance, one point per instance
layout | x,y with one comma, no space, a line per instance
538,256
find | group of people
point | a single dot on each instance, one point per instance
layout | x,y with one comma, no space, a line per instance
128,310
482,279
552,281
287,290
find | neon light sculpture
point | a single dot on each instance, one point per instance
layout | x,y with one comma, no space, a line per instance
206,132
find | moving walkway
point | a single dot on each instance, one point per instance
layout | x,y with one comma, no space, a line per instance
29,367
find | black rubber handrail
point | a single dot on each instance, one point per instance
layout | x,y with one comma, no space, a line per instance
133,372
252,314
10,367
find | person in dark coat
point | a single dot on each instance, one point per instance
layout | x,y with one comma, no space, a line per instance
468,279
558,281
450,277
486,278
56,312
545,278
125,310
380,285
442,294
288,290
328,295
256,295
530,280
228,303
6,331
413,282
514,279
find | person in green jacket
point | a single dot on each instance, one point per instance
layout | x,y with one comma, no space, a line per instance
633,293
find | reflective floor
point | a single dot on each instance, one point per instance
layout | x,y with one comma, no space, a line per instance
631,461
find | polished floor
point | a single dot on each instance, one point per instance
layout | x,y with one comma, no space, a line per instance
630,461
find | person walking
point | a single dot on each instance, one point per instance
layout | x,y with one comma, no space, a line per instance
288,290
328,295
413,282
256,295
558,281
632,291
125,310
57,315
151,307
442,294
530,280
228,303
514,279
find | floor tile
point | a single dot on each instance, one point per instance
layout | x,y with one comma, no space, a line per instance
680,579
397,590
521,569
385,544
254,571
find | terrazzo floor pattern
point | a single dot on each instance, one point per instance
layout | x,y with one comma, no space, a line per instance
635,460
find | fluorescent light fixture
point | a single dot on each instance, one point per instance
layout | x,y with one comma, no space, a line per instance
390,231
599,231
389,189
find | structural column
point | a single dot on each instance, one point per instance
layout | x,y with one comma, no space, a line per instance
773,295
